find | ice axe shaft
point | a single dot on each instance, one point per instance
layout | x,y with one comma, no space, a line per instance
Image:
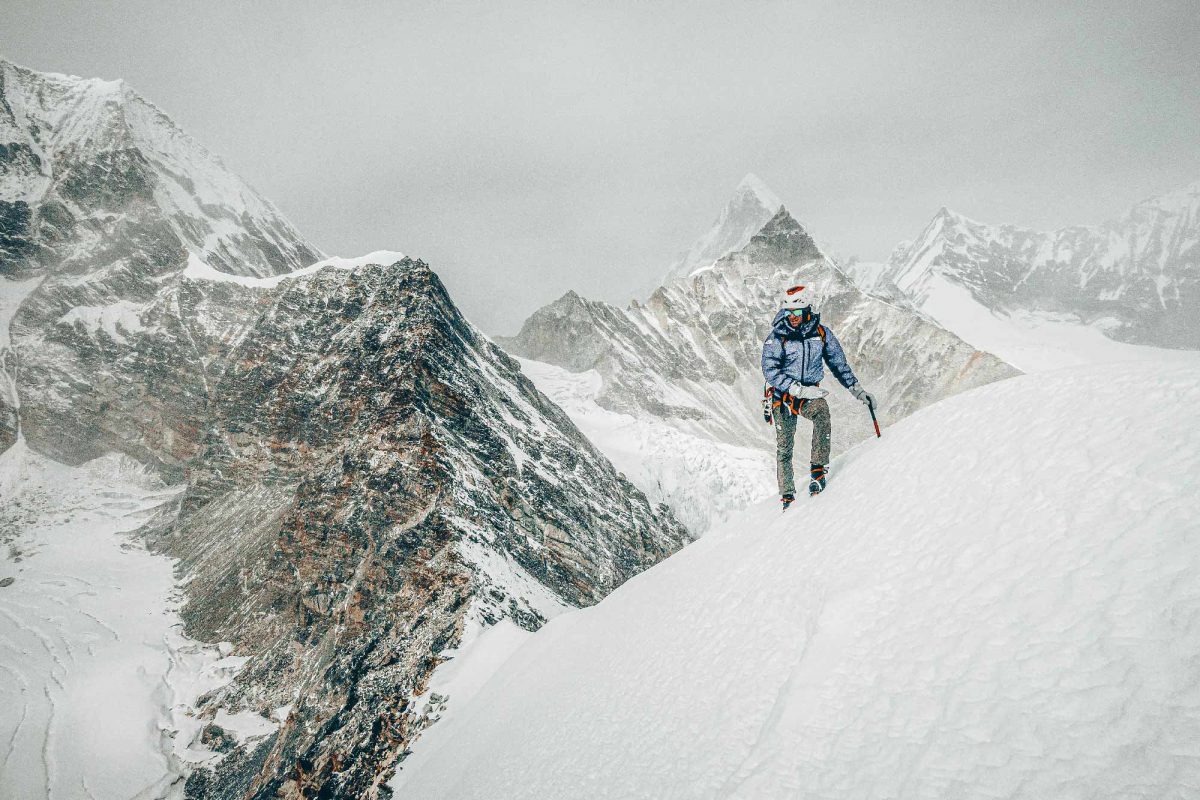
875,421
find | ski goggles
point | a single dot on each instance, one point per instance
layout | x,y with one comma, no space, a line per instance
798,312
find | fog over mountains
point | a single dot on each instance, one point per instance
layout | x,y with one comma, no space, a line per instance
1136,278
260,506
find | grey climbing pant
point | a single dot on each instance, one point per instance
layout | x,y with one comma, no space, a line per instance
785,438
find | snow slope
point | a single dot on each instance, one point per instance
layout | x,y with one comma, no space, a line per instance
996,599
98,679
1032,341
701,479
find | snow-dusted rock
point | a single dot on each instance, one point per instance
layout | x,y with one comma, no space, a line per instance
102,199
374,474
690,355
363,474
94,178
1135,279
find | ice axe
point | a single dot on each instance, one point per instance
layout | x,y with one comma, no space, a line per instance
871,408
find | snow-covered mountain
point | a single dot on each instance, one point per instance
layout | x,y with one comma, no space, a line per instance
351,478
689,357
752,205
86,164
1013,616
1136,279
102,197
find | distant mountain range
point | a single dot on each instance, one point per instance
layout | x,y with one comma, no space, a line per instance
689,356
1135,278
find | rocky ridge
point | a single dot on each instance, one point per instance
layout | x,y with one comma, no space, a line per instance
1137,278
367,476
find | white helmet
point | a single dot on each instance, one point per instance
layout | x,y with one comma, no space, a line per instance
800,297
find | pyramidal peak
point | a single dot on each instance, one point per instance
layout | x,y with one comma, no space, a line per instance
752,205
756,187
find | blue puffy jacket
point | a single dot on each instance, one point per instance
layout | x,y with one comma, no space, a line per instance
798,355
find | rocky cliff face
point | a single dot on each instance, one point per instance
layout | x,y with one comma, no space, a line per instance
691,354
1137,277
366,475
374,476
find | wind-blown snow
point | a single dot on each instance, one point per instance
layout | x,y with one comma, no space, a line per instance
996,599
701,479
98,679
12,294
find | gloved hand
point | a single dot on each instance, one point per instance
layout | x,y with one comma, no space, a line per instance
862,395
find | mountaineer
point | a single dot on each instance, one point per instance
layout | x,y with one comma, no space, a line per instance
793,359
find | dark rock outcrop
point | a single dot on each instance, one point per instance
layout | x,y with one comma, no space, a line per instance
366,474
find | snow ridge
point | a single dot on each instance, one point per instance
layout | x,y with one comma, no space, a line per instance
991,625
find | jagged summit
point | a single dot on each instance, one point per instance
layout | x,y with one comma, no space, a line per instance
88,161
751,206
1136,277
785,238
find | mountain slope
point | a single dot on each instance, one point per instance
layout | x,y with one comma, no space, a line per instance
1017,619
1136,279
358,478
87,165
102,199
690,356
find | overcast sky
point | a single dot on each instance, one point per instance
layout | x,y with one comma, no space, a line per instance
525,148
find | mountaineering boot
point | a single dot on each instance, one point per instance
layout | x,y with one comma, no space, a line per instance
817,474
788,499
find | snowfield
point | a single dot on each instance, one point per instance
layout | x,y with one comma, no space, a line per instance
97,679
701,479
999,598
1031,341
